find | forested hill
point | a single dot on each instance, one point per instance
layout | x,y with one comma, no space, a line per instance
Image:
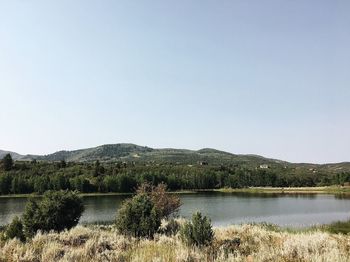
143,155
135,153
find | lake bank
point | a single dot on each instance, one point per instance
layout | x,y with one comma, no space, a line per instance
104,243
289,190
97,194
281,190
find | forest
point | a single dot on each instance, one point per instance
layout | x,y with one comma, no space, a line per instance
23,177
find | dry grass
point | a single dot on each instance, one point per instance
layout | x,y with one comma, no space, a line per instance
103,243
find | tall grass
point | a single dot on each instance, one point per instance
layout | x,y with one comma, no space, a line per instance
104,243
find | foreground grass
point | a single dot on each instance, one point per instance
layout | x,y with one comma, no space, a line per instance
104,243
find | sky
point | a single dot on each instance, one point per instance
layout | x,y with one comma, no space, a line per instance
249,77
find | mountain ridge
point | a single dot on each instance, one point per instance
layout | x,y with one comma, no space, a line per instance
135,153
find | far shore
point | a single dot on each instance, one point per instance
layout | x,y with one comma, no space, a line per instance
267,190
94,194
289,190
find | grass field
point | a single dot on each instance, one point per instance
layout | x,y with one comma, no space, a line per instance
257,243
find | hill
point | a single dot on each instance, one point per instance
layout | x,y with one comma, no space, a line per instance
136,153
14,155
206,156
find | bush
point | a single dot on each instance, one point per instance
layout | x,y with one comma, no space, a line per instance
171,228
15,230
198,231
167,204
57,210
138,217
340,227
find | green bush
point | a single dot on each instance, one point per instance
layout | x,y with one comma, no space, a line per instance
15,230
56,210
340,227
138,217
198,231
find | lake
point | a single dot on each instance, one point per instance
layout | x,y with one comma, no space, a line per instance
295,210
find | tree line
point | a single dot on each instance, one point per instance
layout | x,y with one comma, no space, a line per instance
18,177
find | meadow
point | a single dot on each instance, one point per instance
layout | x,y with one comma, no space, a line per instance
232,243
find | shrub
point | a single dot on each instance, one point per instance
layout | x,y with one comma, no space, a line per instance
15,230
198,231
138,217
342,227
171,228
57,210
167,204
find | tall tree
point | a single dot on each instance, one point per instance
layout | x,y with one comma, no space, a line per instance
7,162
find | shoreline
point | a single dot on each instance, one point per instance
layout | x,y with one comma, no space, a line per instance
264,190
96,194
289,190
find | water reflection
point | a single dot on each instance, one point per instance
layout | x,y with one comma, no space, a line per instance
342,196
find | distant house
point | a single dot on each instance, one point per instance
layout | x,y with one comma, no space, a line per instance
264,166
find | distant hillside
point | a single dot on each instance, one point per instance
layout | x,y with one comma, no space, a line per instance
101,153
14,155
135,153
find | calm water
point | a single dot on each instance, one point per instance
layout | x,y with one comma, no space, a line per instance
222,208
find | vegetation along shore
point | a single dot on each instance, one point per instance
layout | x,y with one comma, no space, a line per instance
344,190
289,190
120,168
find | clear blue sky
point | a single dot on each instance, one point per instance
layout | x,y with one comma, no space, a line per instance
261,77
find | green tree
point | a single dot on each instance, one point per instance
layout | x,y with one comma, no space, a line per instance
5,184
15,229
62,164
56,210
126,183
138,217
98,169
59,182
19,185
112,183
7,162
81,184
41,184
198,231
